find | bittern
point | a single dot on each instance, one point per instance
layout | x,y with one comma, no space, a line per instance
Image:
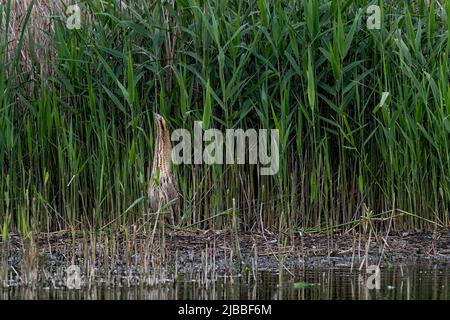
163,192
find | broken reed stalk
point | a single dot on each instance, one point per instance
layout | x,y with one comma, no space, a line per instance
235,230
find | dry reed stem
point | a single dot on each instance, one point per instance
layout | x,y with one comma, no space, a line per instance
36,42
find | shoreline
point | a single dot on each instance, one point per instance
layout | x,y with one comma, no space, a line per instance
212,254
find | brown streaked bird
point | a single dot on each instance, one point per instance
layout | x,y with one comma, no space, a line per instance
163,192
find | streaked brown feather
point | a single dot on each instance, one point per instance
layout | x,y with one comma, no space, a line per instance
163,187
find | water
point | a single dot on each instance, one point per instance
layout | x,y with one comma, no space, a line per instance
307,284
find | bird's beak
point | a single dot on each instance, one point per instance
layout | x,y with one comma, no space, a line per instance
157,116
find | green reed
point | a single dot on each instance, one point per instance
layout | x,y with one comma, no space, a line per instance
363,115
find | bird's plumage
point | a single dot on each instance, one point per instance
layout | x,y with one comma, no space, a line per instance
163,192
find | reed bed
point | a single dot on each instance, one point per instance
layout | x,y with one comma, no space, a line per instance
363,114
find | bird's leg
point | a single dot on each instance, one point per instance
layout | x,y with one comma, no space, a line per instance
163,241
163,234
154,226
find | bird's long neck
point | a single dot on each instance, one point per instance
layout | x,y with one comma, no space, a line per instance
162,154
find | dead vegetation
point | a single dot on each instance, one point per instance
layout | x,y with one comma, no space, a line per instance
36,53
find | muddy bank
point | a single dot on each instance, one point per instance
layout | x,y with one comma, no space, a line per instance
134,258
334,250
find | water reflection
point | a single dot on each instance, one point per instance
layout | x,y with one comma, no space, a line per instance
308,284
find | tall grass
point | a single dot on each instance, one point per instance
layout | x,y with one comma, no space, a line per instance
363,114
